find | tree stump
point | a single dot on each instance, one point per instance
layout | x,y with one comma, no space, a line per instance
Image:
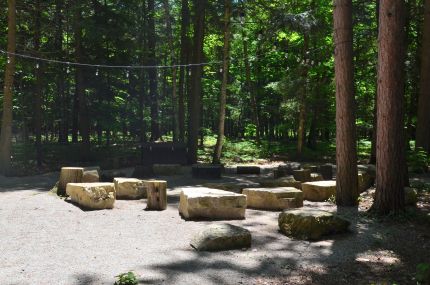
69,175
327,171
157,195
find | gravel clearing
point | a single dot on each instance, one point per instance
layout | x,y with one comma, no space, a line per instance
45,240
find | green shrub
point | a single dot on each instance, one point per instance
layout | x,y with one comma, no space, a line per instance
423,273
128,278
418,160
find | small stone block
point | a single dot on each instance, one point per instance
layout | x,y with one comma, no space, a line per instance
310,224
222,237
207,171
327,171
274,199
319,191
287,181
211,204
248,170
129,188
94,196
316,177
302,175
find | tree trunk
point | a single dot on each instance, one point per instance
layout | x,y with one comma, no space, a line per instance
37,119
84,126
185,47
6,122
390,151
301,132
223,98
423,119
195,98
69,175
346,152
152,72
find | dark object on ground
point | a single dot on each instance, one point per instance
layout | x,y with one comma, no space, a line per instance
222,237
248,170
302,175
164,153
143,171
327,171
286,169
207,171
109,175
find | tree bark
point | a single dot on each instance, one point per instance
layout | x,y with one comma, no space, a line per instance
6,123
185,47
37,119
301,132
223,98
423,119
152,72
346,152
195,98
390,152
157,195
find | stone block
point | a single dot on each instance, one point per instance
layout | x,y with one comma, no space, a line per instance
319,191
129,188
167,169
302,175
94,196
222,237
274,199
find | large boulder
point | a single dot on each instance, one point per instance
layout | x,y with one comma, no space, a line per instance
129,188
275,199
94,196
319,191
211,204
167,169
222,237
411,196
287,181
235,187
302,175
310,224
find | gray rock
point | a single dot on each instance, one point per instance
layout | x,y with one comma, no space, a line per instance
310,224
222,237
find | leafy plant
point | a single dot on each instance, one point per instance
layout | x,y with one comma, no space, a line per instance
128,278
423,273
418,160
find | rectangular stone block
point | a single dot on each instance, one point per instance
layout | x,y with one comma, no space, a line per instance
94,196
211,204
274,199
129,188
167,169
248,170
319,191
207,171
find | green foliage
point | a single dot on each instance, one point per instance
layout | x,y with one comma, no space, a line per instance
423,273
128,278
418,160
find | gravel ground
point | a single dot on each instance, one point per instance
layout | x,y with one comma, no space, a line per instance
45,240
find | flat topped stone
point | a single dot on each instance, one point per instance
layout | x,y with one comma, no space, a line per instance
236,187
287,181
319,191
274,199
310,224
212,204
222,237
93,196
316,177
129,188
302,175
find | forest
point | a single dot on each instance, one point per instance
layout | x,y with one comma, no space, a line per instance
225,83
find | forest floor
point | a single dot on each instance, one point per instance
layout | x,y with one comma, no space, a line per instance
45,240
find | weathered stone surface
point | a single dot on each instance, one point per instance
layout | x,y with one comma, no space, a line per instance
69,175
235,187
302,175
287,181
93,196
411,196
326,171
370,169
316,177
167,169
319,191
274,199
212,204
310,224
222,237
365,181
90,176
207,171
248,169
129,188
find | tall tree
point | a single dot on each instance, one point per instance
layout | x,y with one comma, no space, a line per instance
346,152
195,98
6,123
38,83
423,120
152,72
225,73
390,151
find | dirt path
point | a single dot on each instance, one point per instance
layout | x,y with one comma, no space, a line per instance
44,240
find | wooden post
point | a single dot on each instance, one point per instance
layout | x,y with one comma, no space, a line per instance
157,195
69,175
